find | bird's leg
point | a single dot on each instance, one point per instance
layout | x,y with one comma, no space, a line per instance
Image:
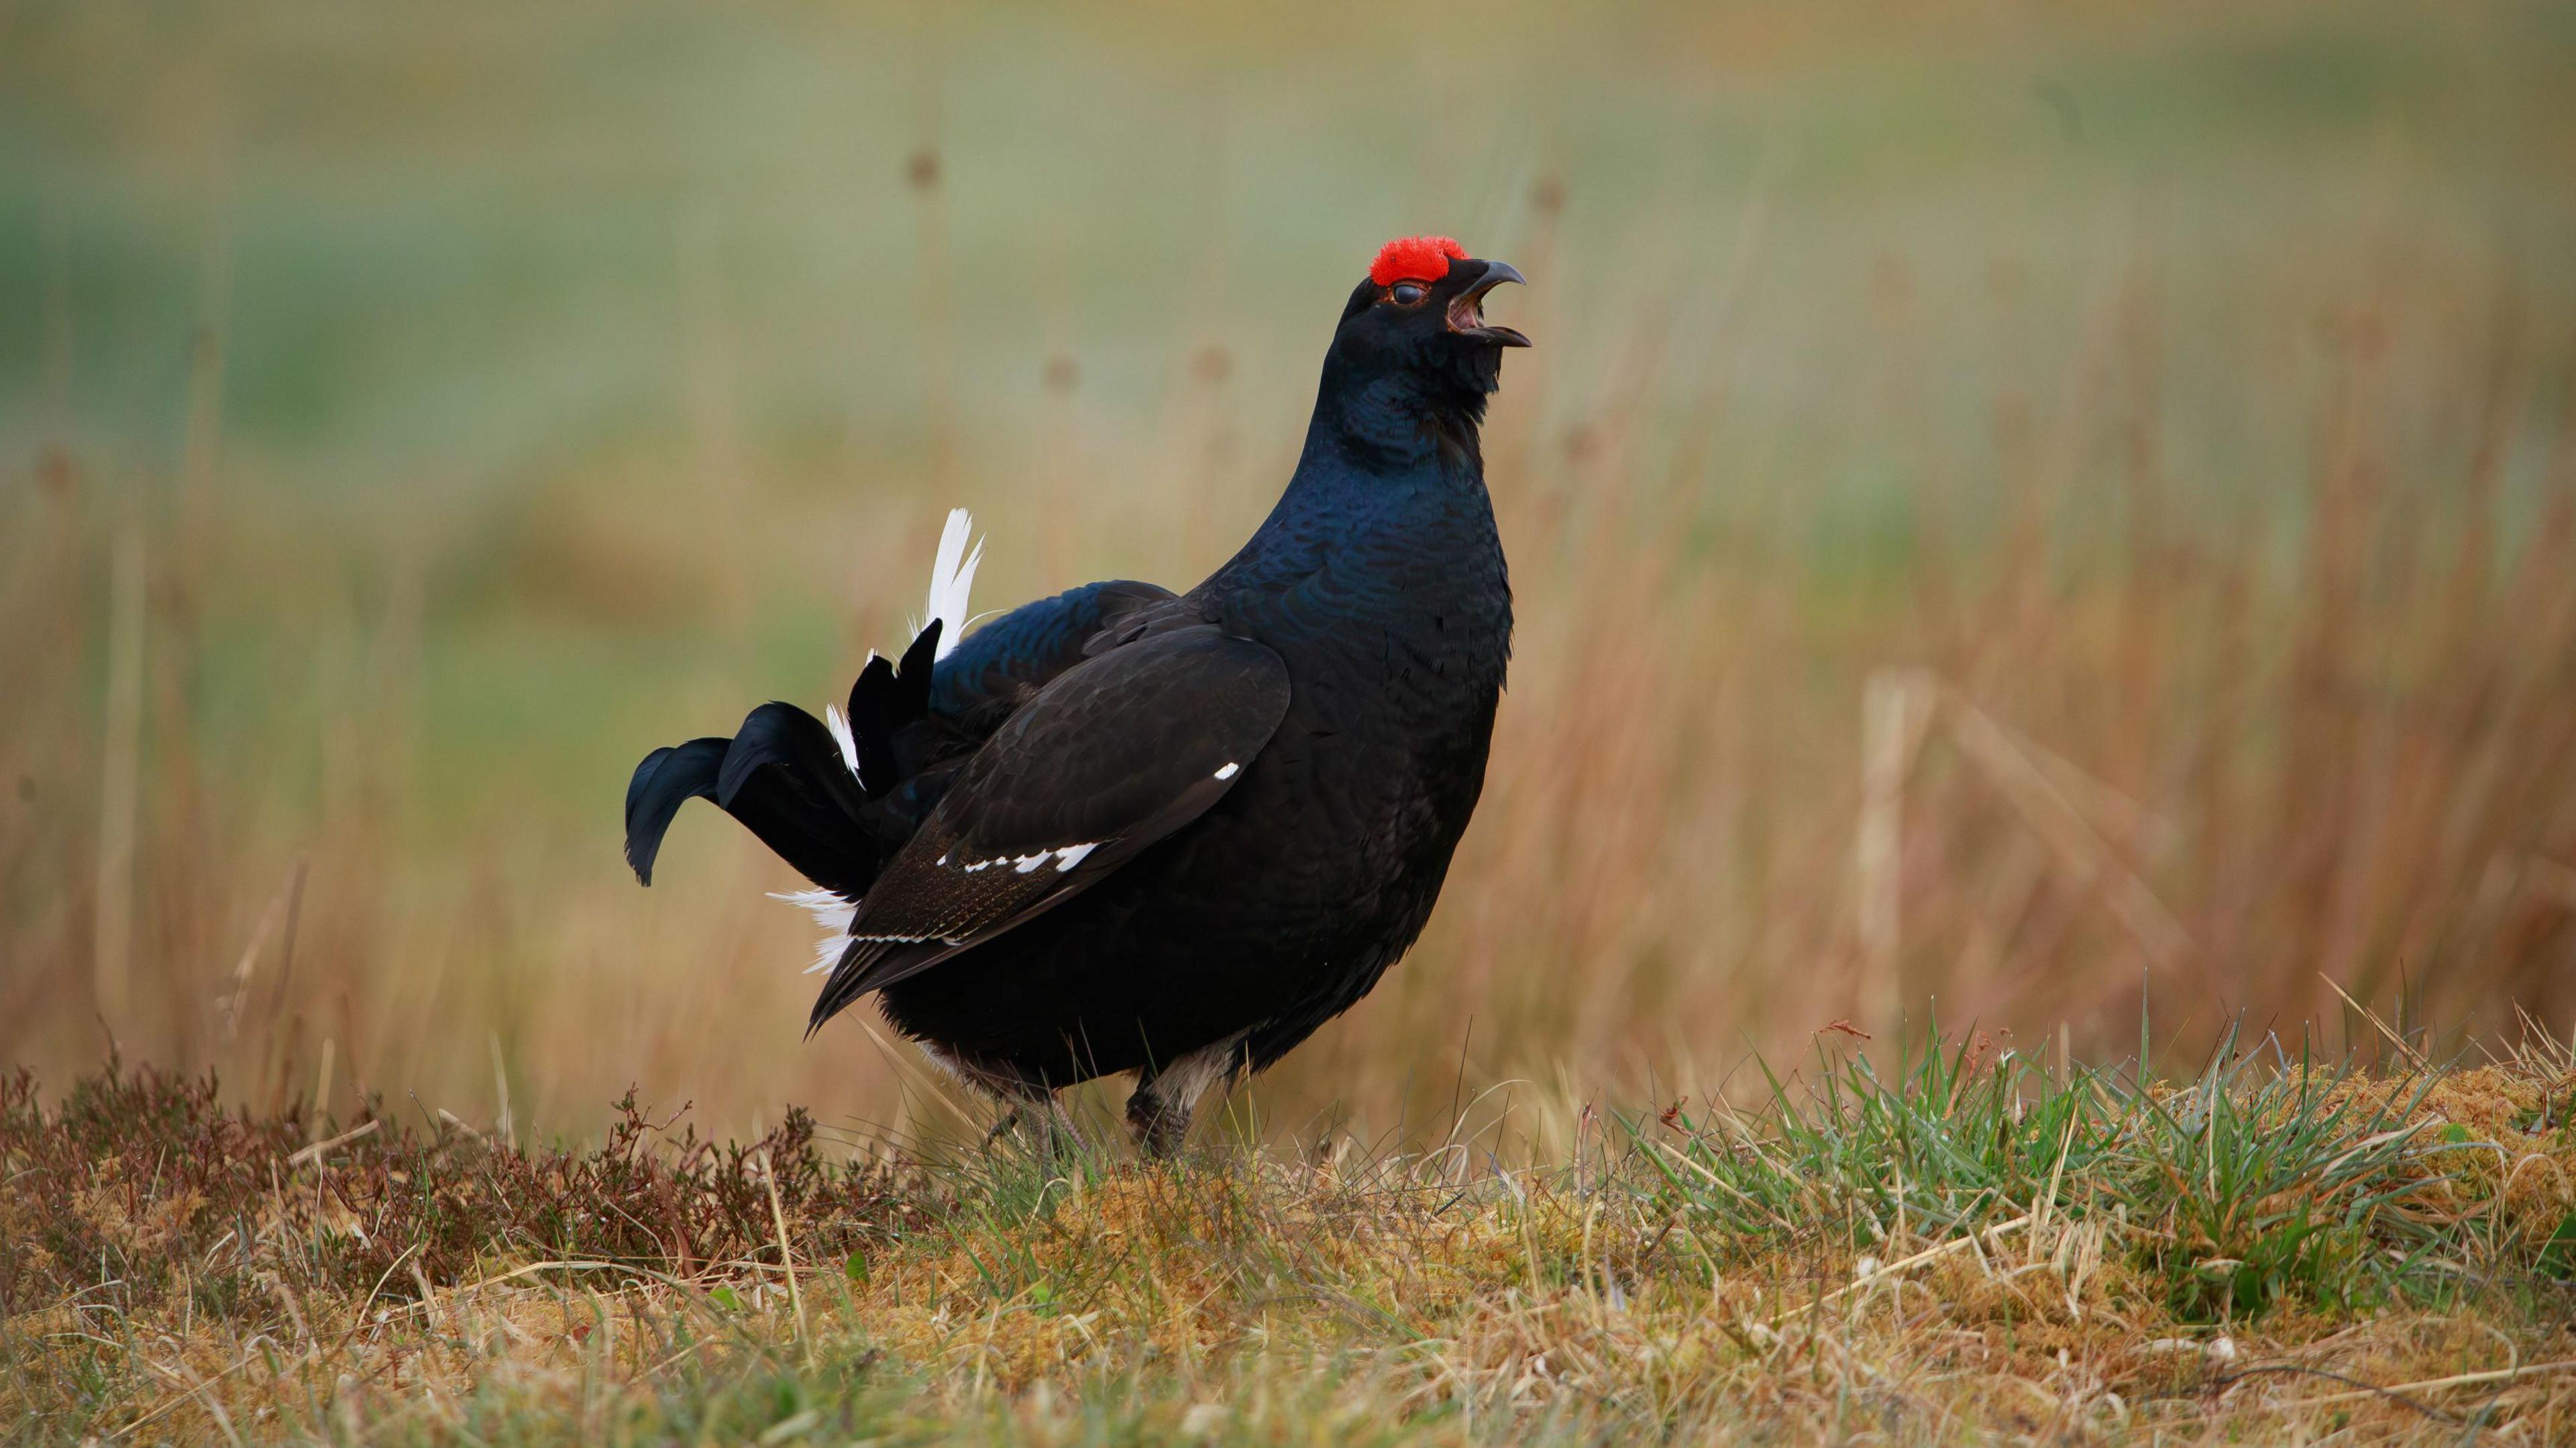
1041,1120
1061,1138
1159,1111
1029,1106
1159,1126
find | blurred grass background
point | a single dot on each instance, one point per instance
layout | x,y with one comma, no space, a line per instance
2029,510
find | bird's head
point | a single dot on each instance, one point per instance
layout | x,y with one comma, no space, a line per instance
1417,322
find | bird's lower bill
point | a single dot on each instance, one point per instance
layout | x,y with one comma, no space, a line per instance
1467,315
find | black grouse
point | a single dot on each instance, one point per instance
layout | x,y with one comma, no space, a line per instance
1126,830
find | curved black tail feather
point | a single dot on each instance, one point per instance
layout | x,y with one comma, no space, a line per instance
667,779
785,778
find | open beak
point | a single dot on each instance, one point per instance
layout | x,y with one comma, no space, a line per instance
1467,313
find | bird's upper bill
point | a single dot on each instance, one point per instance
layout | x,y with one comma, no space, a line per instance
1427,261
1467,309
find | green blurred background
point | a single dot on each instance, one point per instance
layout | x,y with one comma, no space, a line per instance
489,393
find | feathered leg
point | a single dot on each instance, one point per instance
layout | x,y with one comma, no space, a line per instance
1159,1111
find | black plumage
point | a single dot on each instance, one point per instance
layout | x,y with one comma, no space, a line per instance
1127,830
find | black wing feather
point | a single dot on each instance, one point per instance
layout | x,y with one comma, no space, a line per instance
1113,755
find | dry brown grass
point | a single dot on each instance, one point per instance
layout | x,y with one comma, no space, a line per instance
176,1271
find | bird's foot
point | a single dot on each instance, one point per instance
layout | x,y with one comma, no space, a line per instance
1002,1127
1158,1126
1044,1125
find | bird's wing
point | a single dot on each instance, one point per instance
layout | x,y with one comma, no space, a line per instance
1111,756
1016,654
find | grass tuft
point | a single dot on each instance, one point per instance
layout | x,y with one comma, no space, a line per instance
2248,1186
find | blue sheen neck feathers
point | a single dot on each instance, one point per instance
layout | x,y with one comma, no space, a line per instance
1378,458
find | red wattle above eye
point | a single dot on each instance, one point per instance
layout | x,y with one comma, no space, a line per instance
1414,258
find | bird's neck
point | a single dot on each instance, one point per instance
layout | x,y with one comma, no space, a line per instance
1398,426
1378,440
1380,465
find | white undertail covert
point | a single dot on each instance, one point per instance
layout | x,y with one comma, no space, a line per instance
952,580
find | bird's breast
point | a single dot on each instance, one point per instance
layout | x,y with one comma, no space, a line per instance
1390,716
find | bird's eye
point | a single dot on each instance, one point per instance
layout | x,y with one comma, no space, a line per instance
1405,294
